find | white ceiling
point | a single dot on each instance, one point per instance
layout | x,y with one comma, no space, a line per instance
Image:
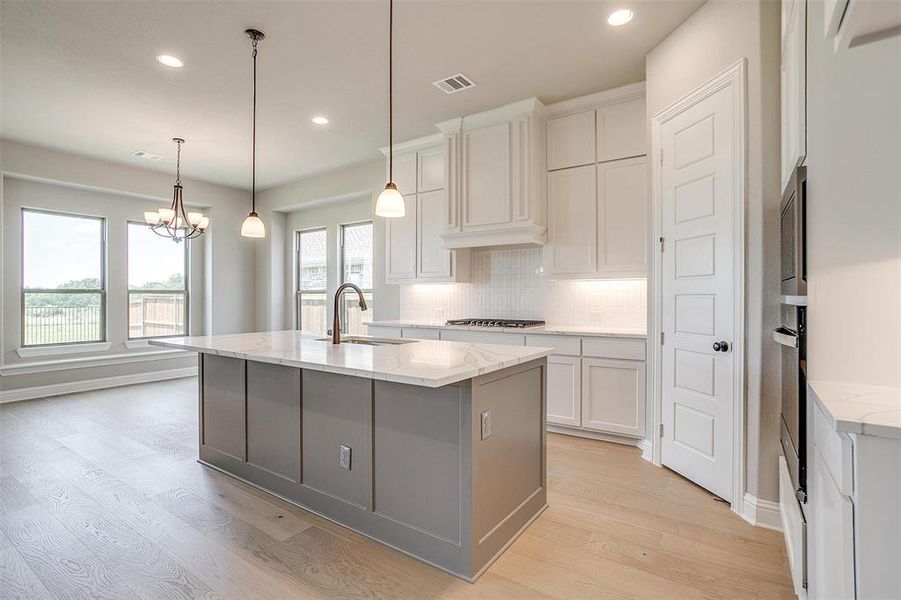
82,76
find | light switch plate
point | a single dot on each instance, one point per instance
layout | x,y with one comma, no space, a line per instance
486,424
344,457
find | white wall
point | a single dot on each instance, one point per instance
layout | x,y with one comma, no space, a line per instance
717,35
222,272
854,209
353,189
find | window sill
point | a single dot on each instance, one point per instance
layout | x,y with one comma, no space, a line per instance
136,344
35,351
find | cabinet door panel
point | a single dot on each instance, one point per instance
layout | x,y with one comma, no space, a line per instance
793,86
622,218
486,176
434,261
613,396
564,390
832,526
223,405
431,169
401,243
570,141
572,215
405,173
273,418
621,130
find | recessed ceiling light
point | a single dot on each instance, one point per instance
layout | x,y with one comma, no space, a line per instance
320,120
170,61
620,17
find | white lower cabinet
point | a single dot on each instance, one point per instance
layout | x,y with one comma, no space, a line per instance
613,396
833,521
564,390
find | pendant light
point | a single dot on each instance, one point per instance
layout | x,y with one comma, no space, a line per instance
252,226
173,222
390,202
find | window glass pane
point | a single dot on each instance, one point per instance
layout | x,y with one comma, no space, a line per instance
357,255
312,311
63,318
156,314
354,318
154,262
312,268
61,251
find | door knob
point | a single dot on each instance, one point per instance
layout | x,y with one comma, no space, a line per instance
721,346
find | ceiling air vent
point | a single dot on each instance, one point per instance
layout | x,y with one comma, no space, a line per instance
145,155
455,83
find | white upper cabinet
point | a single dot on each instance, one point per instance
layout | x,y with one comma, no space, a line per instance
572,220
414,248
496,177
622,219
571,141
621,130
400,245
597,212
793,86
431,169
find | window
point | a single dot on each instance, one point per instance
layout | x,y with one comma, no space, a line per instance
63,283
157,284
356,267
312,280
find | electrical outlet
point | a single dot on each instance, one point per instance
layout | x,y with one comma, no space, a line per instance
344,457
486,424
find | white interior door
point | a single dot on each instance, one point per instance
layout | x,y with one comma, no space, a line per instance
699,192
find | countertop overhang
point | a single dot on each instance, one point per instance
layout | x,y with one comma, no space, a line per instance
429,363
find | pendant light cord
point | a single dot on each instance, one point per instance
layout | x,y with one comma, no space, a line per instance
391,91
253,140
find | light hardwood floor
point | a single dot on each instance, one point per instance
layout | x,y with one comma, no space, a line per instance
101,497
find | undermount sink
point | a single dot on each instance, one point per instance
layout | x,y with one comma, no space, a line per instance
368,341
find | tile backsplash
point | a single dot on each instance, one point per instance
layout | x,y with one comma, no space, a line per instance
509,283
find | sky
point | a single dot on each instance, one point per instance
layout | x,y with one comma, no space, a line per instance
60,248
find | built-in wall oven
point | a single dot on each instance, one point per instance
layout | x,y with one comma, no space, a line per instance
792,334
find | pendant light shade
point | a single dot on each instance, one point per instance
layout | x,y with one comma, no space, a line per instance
253,226
390,202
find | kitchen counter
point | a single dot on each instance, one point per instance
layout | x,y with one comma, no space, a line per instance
576,330
435,448
429,363
860,409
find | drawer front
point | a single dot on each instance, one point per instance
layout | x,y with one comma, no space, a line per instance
420,334
478,337
384,332
614,348
569,346
835,450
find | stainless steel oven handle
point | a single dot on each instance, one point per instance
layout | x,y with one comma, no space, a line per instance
785,337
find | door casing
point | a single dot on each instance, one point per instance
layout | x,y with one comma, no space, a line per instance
733,76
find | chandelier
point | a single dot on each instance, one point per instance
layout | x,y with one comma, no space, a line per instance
173,222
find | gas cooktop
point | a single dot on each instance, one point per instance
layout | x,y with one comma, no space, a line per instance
513,323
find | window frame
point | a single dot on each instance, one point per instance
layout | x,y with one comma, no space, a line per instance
298,293
23,290
128,291
341,275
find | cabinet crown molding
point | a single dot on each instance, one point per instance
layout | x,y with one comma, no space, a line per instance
625,93
421,143
507,112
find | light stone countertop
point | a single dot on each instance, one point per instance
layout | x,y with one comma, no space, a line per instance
429,363
860,409
575,330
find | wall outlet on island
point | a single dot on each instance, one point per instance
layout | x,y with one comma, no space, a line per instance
486,424
344,457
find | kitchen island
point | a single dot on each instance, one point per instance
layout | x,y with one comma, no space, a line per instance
435,448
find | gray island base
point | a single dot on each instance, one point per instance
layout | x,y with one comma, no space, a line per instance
450,475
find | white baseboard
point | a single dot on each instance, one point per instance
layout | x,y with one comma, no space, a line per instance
647,450
645,445
762,513
56,389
